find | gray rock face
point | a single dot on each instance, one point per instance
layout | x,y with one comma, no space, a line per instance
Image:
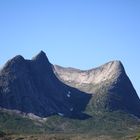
109,85
31,86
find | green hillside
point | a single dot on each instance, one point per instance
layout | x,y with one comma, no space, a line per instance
112,124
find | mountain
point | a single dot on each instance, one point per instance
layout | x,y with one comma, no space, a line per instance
45,101
37,87
109,85
30,86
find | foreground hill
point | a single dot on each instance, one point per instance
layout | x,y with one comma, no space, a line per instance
106,126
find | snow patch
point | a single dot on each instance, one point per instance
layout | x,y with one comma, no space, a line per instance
60,114
71,109
69,94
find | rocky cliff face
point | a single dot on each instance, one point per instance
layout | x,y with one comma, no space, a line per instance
31,86
109,85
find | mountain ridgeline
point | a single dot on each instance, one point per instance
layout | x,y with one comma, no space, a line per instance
38,87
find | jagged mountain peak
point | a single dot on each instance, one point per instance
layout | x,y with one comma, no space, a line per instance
18,58
15,60
41,56
13,64
115,66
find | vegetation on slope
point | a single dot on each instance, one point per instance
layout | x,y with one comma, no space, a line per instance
114,124
11,123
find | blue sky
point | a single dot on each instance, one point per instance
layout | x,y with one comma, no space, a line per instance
76,33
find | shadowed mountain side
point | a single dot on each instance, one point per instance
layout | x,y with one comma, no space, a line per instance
31,86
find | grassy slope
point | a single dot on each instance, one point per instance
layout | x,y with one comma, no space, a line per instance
11,123
115,124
